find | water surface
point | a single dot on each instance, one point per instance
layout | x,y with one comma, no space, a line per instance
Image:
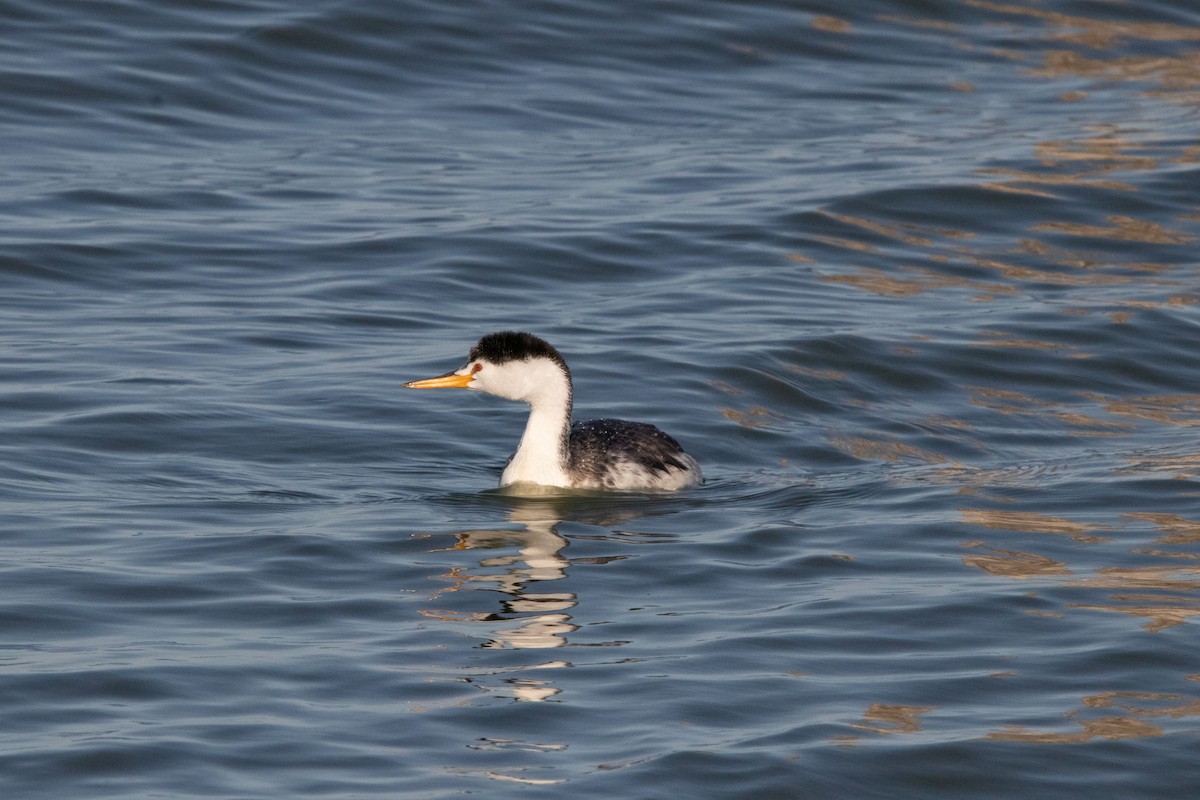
915,282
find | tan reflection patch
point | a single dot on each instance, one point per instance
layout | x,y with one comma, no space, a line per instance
1001,339
976,480
1100,34
1031,275
726,388
1159,617
1177,96
882,718
939,421
1086,421
1016,564
1148,551
883,229
1174,301
1087,158
1184,466
1103,153
1138,706
847,244
1170,578
1057,254
1006,401
877,282
832,25
1025,190
1032,522
754,417
1103,728
811,372
1034,612
1172,72
1182,409
1179,530
870,450
1126,229
1052,179
1174,710
911,281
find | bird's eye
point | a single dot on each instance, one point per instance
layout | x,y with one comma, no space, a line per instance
476,367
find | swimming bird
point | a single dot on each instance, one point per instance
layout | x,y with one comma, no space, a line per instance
611,454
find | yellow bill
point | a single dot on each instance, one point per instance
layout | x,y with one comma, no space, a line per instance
451,380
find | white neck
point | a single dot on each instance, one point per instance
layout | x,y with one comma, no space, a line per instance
542,455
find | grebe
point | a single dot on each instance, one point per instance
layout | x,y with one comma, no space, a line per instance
597,454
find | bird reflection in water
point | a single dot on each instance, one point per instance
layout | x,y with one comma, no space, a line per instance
519,564
525,559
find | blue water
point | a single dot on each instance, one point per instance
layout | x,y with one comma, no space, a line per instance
914,281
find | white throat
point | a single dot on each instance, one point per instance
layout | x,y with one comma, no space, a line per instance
541,456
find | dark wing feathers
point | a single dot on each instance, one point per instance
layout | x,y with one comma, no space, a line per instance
596,442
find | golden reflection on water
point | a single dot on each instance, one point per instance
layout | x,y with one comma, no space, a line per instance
1120,228
1176,529
1102,728
820,374
1181,410
1138,567
1009,402
1105,152
1181,466
887,719
883,450
1015,564
1061,267
1164,595
752,417
832,24
1171,577
1138,707
1104,158
882,718
1033,522
1093,33
1085,162
1159,617
908,234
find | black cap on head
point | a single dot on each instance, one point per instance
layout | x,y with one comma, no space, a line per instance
514,346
